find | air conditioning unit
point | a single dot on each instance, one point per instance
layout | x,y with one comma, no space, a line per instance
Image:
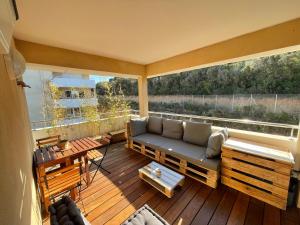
8,17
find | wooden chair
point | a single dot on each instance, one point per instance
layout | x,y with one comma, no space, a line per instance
52,140
96,157
60,182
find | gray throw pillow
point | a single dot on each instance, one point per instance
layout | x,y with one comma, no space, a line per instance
155,125
197,133
172,128
214,145
137,127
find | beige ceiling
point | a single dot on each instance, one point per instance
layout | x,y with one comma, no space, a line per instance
145,31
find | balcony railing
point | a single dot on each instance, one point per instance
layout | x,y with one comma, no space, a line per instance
242,124
285,129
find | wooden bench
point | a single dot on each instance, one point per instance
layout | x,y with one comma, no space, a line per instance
199,173
258,170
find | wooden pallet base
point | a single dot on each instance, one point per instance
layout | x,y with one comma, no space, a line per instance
259,177
204,175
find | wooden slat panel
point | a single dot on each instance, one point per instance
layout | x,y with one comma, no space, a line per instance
278,167
280,192
278,179
261,195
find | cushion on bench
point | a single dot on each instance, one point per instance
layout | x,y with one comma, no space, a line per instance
137,127
172,129
154,125
192,153
145,216
197,133
150,140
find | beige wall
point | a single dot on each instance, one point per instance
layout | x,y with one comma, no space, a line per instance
48,55
18,199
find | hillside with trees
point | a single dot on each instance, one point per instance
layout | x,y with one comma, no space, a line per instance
278,74
263,77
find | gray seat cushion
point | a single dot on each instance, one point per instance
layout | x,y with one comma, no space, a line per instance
145,216
137,127
197,133
151,140
172,129
154,125
215,142
192,153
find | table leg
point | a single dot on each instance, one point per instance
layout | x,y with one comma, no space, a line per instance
41,173
87,169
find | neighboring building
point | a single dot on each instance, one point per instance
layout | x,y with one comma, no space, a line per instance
76,91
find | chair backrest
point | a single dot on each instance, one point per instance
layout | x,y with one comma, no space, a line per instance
62,179
52,140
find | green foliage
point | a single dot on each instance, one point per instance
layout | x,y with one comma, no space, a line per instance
112,102
279,74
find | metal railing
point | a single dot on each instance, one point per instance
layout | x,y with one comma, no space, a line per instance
290,127
293,129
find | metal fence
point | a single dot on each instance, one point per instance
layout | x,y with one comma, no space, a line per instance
275,103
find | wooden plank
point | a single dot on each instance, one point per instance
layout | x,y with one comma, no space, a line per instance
172,213
223,210
130,209
279,180
271,215
206,212
163,207
261,195
111,212
280,192
255,212
188,214
276,166
239,210
106,209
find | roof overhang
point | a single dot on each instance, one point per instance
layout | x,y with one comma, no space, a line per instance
273,40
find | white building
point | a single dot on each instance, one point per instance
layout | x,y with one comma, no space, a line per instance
77,91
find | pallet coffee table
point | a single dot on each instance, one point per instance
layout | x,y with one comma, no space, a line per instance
166,182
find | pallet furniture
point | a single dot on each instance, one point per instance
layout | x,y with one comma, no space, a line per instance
117,136
167,181
258,170
202,174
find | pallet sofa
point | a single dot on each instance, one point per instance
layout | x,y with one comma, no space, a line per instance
188,147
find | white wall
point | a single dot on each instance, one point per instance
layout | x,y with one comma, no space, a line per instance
34,95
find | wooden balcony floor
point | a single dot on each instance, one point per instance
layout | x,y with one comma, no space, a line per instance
112,198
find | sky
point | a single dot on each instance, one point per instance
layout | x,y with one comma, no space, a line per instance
98,78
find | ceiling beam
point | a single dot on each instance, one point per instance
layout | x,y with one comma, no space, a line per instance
38,54
243,47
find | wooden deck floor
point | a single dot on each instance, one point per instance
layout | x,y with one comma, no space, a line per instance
112,198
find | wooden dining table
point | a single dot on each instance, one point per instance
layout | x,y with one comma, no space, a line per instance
50,156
